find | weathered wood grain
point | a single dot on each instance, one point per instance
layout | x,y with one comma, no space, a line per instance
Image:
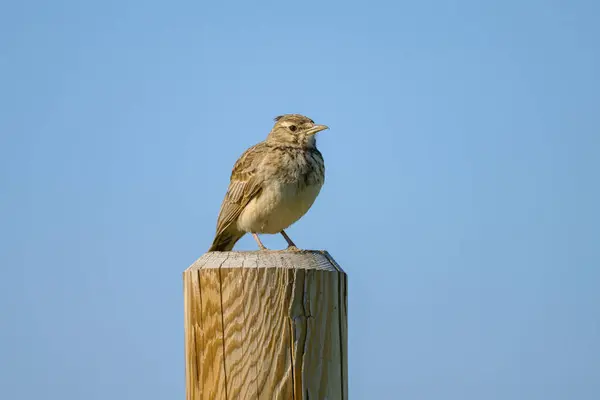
266,325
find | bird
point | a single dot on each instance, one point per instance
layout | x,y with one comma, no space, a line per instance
273,184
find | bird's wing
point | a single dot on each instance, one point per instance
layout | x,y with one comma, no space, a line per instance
245,184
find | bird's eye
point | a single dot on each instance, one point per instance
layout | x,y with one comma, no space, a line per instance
293,128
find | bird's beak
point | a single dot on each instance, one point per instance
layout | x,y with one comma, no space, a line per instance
315,129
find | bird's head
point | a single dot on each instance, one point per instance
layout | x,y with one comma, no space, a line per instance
296,130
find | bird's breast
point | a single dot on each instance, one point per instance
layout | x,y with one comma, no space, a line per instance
286,195
277,207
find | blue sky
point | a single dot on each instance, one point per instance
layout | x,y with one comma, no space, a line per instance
461,195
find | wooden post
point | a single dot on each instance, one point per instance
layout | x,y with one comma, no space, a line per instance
266,325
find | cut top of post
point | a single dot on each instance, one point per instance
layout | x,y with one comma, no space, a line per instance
303,259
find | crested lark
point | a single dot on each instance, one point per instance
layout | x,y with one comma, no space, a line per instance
273,184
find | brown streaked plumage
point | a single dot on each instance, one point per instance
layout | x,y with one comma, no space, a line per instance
273,184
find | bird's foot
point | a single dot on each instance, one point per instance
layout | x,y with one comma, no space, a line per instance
260,245
291,245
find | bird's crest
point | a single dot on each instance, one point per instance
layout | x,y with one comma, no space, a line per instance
294,116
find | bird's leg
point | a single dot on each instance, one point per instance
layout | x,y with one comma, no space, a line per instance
262,246
291,245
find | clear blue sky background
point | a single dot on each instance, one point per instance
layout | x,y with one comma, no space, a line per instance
461,197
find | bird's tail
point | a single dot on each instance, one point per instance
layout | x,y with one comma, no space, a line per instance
226,240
